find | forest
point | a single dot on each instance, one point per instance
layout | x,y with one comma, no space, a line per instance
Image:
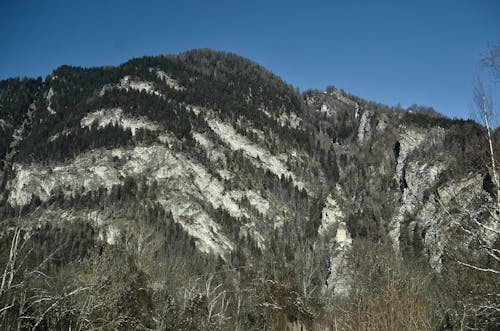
119,248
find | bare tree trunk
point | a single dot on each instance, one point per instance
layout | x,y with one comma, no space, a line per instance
486,110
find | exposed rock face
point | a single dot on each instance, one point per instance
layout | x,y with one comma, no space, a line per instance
239,160
259,155
331,216
187,182
364,129
417,179
115,116
50,95
128,83
168,80
333,221
413,178
291,120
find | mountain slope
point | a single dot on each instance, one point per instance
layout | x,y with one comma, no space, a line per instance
206,170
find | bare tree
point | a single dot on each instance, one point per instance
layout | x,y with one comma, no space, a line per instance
484,105
485,108
479,222
492,60
22,302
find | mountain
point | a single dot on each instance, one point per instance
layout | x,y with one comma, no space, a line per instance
201,191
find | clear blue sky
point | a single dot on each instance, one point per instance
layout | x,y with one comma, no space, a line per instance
423,52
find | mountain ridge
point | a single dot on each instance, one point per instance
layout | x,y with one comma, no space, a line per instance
210,159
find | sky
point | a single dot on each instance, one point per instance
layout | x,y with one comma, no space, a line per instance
407,52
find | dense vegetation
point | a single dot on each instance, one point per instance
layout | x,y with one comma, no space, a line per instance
64,273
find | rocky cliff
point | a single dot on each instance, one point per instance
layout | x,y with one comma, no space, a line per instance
210,153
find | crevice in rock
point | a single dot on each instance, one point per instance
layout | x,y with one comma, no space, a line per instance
402,181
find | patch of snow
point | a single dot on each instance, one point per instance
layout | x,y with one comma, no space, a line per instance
115,116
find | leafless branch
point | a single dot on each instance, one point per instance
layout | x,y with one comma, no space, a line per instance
492,59
496,272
